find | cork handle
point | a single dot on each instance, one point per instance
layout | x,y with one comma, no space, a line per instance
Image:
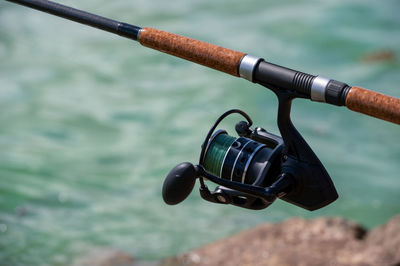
206,54
374,104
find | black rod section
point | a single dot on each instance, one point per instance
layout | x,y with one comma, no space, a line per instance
113,26
282,77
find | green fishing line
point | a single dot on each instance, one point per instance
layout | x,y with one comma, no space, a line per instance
216,153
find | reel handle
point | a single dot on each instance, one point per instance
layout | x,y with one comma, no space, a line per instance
180,181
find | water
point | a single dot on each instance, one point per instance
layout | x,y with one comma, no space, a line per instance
91,122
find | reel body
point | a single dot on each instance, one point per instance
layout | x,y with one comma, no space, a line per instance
255,168
242,160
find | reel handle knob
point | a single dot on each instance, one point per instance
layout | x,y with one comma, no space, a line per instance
179,183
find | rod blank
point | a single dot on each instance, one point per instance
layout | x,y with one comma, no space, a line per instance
113,26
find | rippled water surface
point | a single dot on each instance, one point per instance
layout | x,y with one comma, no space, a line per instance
90,123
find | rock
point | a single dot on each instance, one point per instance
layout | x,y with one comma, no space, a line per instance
385,241
322,241
106,257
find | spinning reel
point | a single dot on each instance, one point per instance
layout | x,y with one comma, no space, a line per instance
255,168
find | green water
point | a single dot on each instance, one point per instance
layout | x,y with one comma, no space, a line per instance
91,123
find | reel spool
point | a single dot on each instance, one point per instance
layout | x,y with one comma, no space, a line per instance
255,168
238,159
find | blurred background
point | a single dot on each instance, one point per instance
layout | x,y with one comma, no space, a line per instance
91,123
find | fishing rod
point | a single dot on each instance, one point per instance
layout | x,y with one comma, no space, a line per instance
252,68
257,167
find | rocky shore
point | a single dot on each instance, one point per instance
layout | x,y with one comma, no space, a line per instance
322,241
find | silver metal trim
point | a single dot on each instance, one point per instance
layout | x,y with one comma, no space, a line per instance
247,65
138,34
250,159
237,157
222,165
318,89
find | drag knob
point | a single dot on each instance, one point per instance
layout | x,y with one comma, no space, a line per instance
179,183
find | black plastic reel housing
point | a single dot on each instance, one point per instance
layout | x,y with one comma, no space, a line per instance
255,168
